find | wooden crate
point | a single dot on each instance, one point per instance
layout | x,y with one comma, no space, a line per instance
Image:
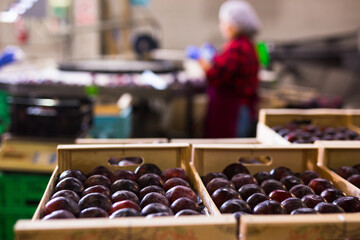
335,154
355,117
120,140
28,156
86,157
269,118
214,158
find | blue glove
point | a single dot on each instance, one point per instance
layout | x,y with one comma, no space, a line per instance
10,54
193,52
207,51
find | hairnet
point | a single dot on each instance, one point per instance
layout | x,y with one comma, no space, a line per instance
240,14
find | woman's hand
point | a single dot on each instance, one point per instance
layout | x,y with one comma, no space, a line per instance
205,65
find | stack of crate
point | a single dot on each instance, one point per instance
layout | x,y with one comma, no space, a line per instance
200,157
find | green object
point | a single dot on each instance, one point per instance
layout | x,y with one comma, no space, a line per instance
92,91
20,194
4,112
22,189
8,218
263,54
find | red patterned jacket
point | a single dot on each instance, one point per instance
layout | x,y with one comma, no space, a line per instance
232,83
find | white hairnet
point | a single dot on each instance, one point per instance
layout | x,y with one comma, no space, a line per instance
241,15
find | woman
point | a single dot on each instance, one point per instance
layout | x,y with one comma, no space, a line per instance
232,75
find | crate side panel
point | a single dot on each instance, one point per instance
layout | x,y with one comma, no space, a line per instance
337,158
215,160
303,227
188,227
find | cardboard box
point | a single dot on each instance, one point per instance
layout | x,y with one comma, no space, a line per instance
85,158
214,158
269,118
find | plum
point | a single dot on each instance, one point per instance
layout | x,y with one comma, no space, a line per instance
290,181
186,212
93,212
221,195
241,179
325,207
301,190
348,203
159,214
308,175
155,208
234,169
175,173
292,137
100,170
61,203
73,173
351,135
357,167
269,207
184,203
180,191
290,204
99,189
59,214
262,176
331,194
124,195
68,194
320,184
147,168
355,179
123,174
125,184
70,183
154,197
217,183
150,179
235,205
329,131
256,198
97,180
346,171
95,200
249,189
151,188
281,172
125,212
124,204
210,176
312,200
280,195
271,185
303,211
172,182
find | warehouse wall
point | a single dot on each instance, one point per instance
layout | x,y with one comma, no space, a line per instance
195,21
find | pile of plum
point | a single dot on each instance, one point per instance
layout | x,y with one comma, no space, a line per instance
280,191
303,132
351,174
102,193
